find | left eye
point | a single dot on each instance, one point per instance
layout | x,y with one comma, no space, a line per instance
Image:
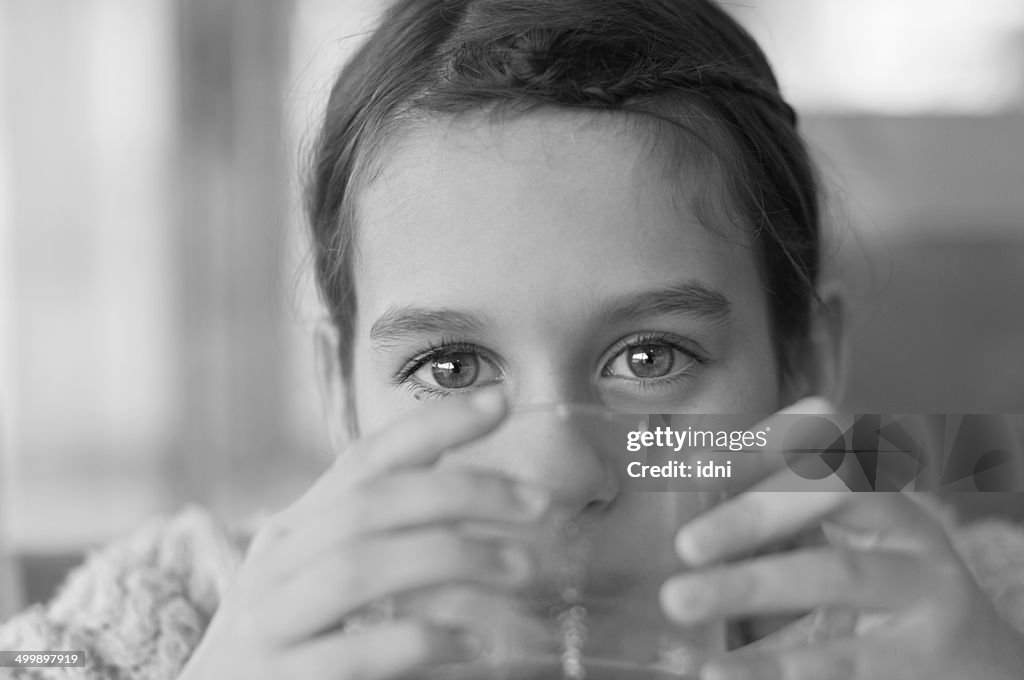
650,360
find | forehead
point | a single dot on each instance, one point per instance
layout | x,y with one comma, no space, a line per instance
559,203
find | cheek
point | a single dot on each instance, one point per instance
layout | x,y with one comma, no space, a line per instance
748,380
378,401
752,387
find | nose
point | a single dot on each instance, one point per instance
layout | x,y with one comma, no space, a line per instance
568,453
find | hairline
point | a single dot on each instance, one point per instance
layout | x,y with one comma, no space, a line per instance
646,121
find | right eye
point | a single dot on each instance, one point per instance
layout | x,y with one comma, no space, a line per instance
449,370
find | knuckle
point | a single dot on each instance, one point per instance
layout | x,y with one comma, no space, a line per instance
479,553
445,552
475,491
273,528
270,532
347,572
746,517
416,641
391,651
448,544
494,486
740,584
359,509
456,491
499,562
480,559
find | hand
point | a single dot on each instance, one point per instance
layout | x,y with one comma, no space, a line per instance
920,613
383,520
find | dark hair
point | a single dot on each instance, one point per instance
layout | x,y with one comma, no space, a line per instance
685,62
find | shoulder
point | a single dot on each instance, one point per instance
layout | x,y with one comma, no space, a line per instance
137,606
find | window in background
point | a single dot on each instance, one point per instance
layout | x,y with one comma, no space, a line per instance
894,57
148,286
89,363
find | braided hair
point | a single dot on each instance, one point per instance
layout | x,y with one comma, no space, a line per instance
683,65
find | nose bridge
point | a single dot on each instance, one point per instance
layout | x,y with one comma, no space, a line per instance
551,387
557,371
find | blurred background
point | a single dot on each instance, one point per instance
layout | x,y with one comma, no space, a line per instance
155,299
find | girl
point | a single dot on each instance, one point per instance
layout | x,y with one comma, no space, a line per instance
533,201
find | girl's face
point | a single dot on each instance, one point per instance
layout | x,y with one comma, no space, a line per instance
550,254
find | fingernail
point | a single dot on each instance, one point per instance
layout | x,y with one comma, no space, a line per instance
532,499
468,646
695,547
687,600
490,401
725,671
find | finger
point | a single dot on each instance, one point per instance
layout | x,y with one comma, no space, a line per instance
426,435
819,626
333,587
386,651
797,582
410,500
508,627
751,468
755,518
417,441
837,660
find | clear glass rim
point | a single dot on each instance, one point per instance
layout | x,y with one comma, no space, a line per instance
566,409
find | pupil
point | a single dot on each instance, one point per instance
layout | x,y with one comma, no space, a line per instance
650,361
453,371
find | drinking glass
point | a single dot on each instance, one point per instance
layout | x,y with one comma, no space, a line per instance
602,553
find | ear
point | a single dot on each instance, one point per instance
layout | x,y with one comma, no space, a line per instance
820,366
335,392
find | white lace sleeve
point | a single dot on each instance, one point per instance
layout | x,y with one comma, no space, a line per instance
137,607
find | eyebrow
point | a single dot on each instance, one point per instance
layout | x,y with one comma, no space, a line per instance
400,323
690,298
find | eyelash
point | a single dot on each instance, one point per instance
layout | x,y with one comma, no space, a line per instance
448,346
655,338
